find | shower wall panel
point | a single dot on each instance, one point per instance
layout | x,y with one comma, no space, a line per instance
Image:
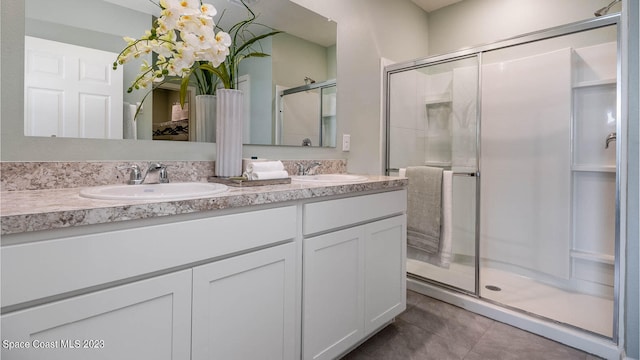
464,122
408,114
526,163
301,117
594,168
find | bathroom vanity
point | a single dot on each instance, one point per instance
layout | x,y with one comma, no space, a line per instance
277,272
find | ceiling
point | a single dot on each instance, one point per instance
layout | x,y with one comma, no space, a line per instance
431,5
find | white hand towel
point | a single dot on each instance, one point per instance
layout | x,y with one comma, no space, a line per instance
267,175
446,240
262,166
179,113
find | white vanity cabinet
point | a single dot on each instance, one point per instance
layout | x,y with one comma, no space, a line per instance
245,307
148,319
307,278
333,296
354,270
216,287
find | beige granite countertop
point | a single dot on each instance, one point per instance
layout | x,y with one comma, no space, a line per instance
35,210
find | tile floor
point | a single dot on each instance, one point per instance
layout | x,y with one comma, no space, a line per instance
431,329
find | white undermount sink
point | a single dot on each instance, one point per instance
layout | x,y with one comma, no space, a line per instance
170,191
330,178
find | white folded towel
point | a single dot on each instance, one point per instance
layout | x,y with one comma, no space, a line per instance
267,175
179,113
262,166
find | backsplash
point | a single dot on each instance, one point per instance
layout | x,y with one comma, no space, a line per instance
326,166
15,176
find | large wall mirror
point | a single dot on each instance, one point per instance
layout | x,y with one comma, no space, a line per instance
61,32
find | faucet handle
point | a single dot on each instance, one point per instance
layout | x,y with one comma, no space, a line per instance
135,175
163,176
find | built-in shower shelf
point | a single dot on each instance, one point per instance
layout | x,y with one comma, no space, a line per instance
601,258
435,100
589,83
594,168
437,163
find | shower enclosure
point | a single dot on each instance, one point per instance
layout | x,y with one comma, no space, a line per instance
528,127
307,114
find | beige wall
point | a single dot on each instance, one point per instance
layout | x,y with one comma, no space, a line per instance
367,31
476,22
294,59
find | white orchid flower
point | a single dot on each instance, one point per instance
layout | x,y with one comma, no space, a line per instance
206,21
185,56
193,22
198,41
208,10
222,38
167,21
182,6
162,48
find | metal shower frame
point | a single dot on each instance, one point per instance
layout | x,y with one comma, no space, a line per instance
477,52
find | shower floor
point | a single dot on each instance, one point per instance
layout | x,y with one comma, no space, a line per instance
584,311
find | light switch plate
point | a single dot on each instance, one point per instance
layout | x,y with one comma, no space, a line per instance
346,142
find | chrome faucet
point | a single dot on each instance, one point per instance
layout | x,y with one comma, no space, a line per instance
136,177
163,178
304,170
611,137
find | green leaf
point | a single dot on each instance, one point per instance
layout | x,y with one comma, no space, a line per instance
253,40
184,84
221,72
256,54
139,107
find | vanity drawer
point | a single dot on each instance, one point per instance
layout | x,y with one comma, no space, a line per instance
41,269
327,215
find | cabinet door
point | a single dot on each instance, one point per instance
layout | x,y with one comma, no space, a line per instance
148,319
244,306
385,271
333,293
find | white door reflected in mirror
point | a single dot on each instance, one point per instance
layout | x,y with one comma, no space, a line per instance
71,91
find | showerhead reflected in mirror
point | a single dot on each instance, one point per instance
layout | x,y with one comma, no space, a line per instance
306,49
307,115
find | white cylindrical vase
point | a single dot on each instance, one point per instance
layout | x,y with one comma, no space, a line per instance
229,119
205,118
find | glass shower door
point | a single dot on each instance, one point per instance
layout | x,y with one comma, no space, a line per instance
432,111
548,187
